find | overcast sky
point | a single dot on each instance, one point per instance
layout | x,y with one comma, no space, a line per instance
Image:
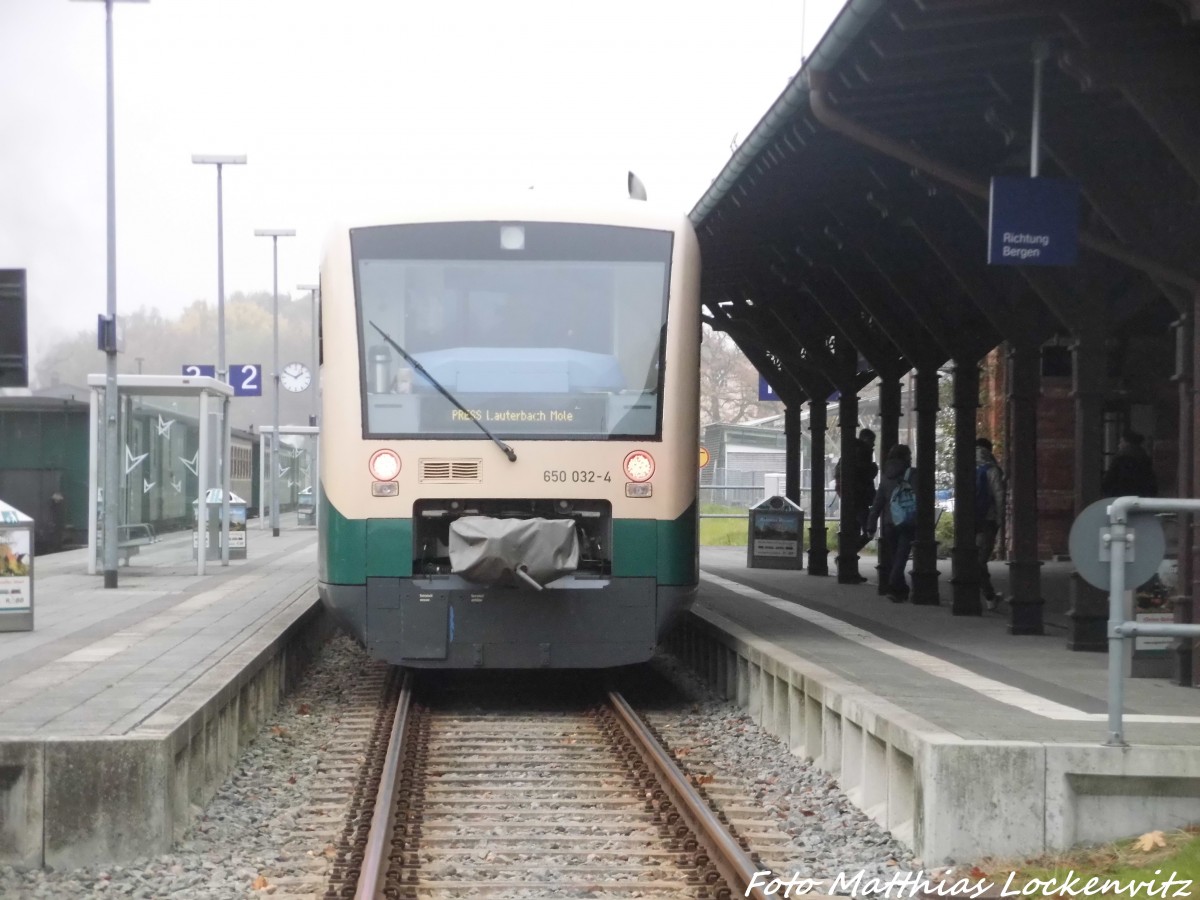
346,104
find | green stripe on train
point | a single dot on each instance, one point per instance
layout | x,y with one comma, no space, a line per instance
649,548
352,549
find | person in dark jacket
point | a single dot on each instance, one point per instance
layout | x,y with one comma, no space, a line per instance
895,540
989,515
862,492
1130,473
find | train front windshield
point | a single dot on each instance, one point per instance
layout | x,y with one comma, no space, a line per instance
540,330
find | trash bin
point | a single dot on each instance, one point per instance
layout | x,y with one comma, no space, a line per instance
16,569
776,535
212,526
306,510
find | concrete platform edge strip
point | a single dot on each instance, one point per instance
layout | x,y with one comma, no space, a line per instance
71,802
948,797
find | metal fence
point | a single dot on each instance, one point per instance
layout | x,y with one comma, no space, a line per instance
745,496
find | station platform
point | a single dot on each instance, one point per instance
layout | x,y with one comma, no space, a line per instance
125,709
962,739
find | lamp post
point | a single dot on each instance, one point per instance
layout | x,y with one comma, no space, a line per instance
314,291
108,331
275,234
314,471
222,370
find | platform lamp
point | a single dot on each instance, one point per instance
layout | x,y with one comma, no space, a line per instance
108,324
210,159
275,234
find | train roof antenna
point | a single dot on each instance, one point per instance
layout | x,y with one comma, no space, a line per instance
508,451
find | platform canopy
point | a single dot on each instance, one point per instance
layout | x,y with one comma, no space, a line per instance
857,208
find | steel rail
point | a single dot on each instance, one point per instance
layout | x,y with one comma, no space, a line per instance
730,859
373,871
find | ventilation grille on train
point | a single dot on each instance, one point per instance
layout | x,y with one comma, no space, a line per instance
449,470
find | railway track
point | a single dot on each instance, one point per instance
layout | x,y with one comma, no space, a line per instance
567,803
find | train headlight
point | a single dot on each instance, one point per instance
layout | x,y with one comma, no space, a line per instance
384,465
639,466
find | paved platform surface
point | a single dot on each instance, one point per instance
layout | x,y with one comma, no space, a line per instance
964,674
105,663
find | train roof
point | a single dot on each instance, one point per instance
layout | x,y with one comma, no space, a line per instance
523,207
75,399
63,398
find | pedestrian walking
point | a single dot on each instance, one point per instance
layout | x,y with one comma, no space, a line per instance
894,512
989,515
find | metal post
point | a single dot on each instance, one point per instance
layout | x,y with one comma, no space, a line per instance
223,374
275,372
1041,52
315,294
314,470
1116,642
93,476
112,459
275,234
202,489
222,369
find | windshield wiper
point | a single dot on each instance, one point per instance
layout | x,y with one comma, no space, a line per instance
508,451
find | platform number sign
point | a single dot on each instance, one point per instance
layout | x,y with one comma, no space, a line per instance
246,378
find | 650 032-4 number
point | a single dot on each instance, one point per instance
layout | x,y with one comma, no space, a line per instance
575,476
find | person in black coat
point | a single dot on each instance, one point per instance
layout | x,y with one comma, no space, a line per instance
862,492
1130,473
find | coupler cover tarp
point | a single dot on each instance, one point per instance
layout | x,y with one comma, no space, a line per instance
487,550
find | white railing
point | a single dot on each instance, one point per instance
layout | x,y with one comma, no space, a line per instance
1118,538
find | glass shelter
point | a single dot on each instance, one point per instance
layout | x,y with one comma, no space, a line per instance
171,429
299,466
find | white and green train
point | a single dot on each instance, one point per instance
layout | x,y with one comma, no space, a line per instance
510,433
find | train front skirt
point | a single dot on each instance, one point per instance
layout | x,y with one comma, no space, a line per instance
447,622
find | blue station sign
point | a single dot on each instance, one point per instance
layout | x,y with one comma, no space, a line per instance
246,378
1033,222
765,391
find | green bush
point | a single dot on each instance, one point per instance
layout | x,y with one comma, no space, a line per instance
944,534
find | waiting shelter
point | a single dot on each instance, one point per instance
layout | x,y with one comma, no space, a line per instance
298,469
155,439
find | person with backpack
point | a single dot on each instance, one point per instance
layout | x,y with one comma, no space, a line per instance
895,512
989,514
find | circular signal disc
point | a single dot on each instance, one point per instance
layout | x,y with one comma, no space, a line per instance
384,465
639,466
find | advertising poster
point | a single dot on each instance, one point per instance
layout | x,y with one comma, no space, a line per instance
777,534
15,590
237,527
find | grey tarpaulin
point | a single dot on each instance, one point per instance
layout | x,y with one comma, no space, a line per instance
488,550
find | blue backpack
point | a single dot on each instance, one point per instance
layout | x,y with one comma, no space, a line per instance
904,501
983,494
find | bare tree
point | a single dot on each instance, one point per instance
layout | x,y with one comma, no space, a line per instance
728,382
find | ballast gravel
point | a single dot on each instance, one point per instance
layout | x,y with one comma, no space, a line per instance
257,838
